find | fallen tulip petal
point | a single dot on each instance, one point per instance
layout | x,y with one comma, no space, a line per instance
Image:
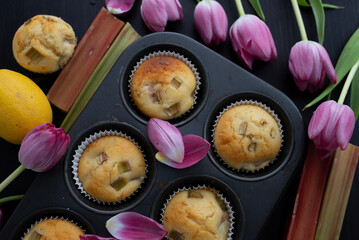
119,7
131,225
195,148
166,138
94,237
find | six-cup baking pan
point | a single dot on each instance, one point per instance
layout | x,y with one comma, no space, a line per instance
252,195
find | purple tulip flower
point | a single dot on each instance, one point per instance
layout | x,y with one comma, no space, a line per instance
332,125
174,149
156,13
119,7
309,62
211,22
1,219
251,39
43,147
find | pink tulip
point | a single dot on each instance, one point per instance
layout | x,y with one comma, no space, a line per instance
211,22
156,13
332,125
119,7
251,39
309,63
174,149
131,226
43,147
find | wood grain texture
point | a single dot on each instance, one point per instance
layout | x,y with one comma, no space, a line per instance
340,24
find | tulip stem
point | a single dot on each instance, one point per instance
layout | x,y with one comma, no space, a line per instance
240,7
299,19
11,198
349,80
11,177
198,1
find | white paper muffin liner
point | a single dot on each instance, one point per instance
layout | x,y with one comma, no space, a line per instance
261,105
229,207
174,55
81,148
52,217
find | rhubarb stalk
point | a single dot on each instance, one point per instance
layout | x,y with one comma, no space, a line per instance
309,196
127,36
337,193
87,56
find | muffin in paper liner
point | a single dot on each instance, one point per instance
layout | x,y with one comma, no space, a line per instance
218,195
81,148
174,55
249,167
52,218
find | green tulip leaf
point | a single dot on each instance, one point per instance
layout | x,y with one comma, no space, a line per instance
257,7
348,57
318,11
354,96
331,6
303,3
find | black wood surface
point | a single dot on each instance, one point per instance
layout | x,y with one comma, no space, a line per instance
340,24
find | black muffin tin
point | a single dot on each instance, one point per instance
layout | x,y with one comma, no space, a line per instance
252,195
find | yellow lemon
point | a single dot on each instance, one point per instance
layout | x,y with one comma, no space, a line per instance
23,106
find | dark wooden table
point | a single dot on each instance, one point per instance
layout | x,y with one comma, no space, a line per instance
340,24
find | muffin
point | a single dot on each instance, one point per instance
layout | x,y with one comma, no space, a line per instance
196,214
54,229
44,44
163,87
247,137
111,168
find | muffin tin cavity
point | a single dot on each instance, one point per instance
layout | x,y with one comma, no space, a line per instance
56,213
200,94
132,200
287,140
194,181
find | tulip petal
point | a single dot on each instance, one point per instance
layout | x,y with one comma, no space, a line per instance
94,237
319,119
166,138
202,20
38,128
131,225
119,7
327,64
346,124
196,148
154,15
173,9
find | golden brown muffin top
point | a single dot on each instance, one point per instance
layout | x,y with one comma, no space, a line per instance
247,137
54,229
196,214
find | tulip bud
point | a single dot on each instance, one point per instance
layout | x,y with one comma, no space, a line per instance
211,22
251,39
332,125
43,147
119,7
309,63
156,13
